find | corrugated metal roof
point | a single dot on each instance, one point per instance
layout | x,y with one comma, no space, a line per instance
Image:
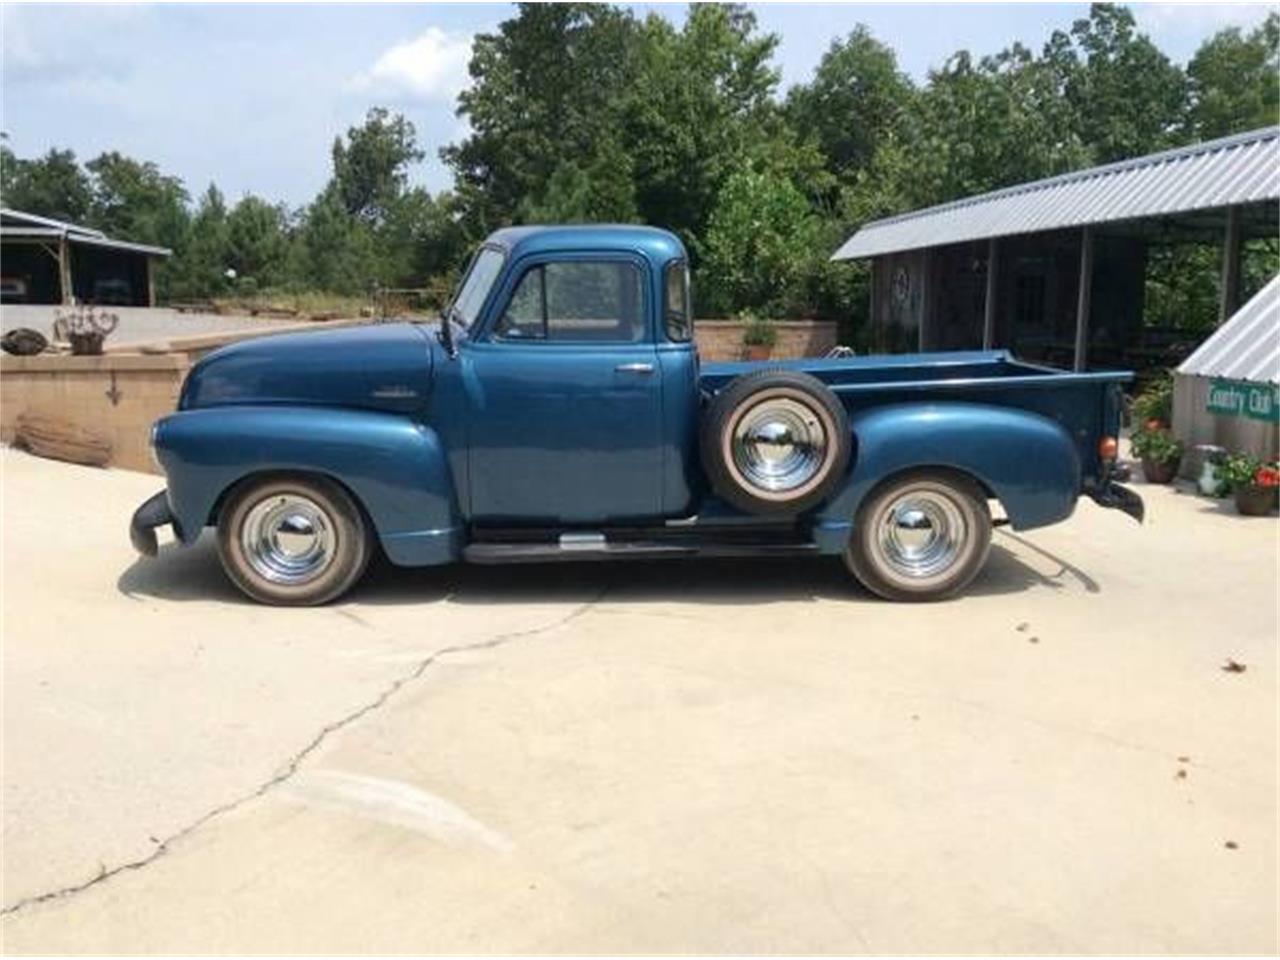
1247,346
38,221
29,226
122,245
1241,169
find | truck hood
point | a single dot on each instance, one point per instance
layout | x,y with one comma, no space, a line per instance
377,367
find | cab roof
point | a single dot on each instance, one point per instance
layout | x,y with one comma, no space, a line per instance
655,244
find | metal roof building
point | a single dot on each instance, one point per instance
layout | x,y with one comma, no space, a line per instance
50,261
1054,268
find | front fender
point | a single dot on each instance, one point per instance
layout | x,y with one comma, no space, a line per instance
1027,461
395,466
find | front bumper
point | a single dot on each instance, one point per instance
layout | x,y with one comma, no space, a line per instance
153,513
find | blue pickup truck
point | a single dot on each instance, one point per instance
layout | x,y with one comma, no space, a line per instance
559,411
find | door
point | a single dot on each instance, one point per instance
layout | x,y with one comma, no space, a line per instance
564,397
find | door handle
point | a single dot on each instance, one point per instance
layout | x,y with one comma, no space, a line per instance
634,368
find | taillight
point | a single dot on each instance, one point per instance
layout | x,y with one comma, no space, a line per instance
1108,448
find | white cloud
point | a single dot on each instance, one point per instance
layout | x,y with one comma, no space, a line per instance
431,66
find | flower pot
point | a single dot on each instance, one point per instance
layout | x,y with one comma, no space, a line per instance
1160,472
759,351
86,344
1256,501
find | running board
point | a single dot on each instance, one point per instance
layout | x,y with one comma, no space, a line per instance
574,547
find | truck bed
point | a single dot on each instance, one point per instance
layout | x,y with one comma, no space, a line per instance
1084,403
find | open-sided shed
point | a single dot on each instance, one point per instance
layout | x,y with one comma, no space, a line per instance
1054,270
49,261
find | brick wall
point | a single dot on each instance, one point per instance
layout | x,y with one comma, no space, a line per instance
722,339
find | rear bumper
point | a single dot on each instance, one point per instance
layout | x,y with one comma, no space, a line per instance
153,513
1112,495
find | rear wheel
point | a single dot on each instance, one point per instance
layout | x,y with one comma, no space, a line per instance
293,541
922,536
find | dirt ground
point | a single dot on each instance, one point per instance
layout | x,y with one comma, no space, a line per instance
697,757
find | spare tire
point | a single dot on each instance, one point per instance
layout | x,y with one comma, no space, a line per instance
775,441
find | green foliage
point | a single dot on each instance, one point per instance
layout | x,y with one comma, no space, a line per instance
858,97
761,237
1233,83
1155,402
1157,446
52,186
370,166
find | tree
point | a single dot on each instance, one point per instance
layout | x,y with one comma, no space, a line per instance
51,186
370,169
547,91
255,240
857,97
1233,82
133,199
199,271
1126,98
980,126
335,250
760,241
601,191
702,108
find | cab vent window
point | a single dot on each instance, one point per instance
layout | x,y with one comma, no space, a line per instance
677,309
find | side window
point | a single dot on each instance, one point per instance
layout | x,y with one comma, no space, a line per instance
677,311
576,300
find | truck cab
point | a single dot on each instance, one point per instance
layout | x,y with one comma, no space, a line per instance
558,410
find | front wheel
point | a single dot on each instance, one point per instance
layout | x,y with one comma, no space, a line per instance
292,541
922,536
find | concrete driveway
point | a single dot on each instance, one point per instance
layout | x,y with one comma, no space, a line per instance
715,757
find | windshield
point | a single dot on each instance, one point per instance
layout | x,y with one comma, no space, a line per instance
475,288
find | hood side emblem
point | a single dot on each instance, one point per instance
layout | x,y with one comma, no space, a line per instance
394,392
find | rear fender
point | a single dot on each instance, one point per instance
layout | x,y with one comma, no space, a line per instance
1028,462
394,466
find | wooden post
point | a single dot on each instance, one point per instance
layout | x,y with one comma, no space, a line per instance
151,281
926,297
64,270
1229,299
1083,302
989,306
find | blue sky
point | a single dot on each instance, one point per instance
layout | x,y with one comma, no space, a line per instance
251,96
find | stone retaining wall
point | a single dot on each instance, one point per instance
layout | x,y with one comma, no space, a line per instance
115,397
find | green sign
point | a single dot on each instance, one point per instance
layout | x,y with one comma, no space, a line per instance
1239,398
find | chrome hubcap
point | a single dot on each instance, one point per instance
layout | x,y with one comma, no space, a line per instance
920,535
287,539
779,445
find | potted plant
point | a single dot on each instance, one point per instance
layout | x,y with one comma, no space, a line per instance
84,329
1255,485
759,337
1160,452
1153,406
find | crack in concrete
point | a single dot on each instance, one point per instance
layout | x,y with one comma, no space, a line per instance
295,761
